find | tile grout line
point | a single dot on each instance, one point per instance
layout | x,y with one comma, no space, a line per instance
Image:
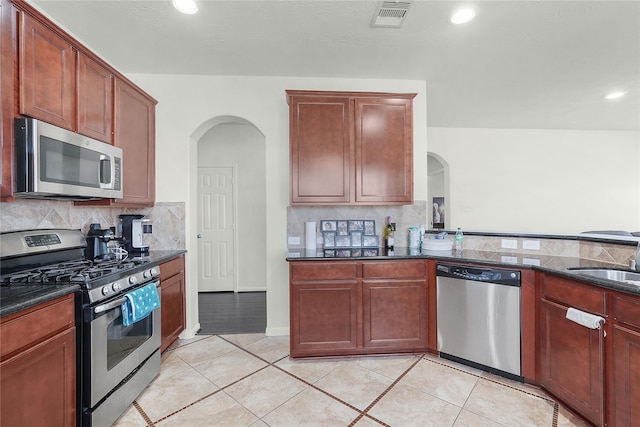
143,413
493,381
150,423
210,394
384,393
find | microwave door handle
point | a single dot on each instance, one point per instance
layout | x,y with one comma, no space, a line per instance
107,171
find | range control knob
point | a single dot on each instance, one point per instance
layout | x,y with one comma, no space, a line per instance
152,272
133,280
106,290
116,287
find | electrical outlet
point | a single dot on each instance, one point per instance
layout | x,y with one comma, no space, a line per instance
533,245
293,240
510,259
509,244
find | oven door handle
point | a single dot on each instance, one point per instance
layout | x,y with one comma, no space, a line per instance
109,305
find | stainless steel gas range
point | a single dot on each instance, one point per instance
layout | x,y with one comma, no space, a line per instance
116,357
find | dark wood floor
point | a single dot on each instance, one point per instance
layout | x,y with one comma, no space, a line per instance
232,313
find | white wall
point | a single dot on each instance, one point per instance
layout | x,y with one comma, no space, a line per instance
190,105
241,146
540,181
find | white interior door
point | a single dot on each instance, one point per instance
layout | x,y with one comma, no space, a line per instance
216,229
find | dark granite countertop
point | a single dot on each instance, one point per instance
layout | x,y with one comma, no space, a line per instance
14,298
560,266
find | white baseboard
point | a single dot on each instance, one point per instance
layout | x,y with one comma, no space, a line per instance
190,333
277,332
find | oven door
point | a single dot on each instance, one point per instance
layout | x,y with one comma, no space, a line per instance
113,350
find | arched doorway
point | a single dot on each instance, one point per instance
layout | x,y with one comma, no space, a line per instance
438,191
231,228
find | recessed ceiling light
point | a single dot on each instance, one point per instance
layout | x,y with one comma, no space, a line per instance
462,16
615,95
186,6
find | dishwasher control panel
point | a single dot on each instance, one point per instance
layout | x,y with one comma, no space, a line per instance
479,274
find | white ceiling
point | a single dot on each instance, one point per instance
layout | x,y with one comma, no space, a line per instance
518,64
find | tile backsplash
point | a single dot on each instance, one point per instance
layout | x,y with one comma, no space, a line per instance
168,219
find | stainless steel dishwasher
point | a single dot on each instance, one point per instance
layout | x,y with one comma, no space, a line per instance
479,318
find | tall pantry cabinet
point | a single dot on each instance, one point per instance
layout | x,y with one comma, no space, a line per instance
351,148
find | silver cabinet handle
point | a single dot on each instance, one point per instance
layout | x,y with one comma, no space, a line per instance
199,236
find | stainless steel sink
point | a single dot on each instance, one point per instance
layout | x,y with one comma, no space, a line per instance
610,274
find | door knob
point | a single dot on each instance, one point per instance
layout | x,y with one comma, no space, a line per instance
199,236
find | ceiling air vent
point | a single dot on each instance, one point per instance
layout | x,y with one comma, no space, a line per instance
391,14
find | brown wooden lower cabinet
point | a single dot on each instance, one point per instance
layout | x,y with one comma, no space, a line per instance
172,300
624,361
357,307
625,392
572,361
38,366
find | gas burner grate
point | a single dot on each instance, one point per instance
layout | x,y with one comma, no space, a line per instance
78,271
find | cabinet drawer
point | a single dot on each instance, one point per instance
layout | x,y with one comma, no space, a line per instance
171,268
43,321
395,270
323,270
574,294
627,310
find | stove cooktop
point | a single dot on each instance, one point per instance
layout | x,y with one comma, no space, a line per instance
81,272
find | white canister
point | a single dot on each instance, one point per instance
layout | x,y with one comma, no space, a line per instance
414,237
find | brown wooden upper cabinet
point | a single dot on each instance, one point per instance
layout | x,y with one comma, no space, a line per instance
6,99
133,131
353,148
134,128
95,99
47,74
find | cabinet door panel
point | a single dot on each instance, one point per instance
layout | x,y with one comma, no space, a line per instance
324,319
6,100
47,74
173,309
95,99
626,377
395,315
38,385
320,149
571,361
383,150
134,132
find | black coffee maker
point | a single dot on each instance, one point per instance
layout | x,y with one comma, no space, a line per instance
97,241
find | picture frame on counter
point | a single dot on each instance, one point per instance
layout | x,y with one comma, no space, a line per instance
326,225
343,241
356,225
370,241
356,239
329,238
369,227
342,228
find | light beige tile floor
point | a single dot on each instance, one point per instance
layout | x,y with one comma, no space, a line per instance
249,380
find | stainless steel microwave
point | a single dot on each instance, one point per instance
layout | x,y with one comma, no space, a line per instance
55,163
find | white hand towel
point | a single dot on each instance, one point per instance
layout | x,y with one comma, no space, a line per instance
591,321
